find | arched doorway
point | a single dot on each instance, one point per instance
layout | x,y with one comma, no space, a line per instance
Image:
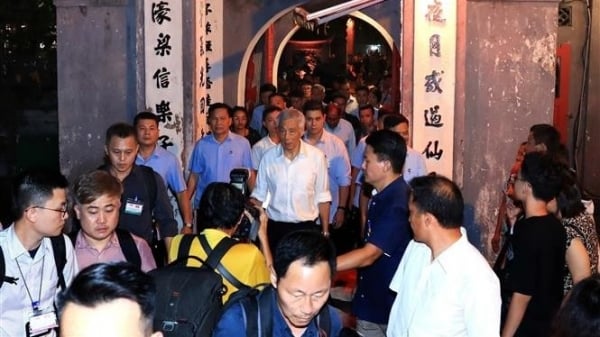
255,67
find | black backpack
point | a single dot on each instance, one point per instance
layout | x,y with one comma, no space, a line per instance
60,260
189,300
259,315
128,247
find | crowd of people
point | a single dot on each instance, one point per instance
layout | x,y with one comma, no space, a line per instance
333,186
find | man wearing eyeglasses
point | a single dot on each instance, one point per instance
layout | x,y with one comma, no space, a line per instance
31,280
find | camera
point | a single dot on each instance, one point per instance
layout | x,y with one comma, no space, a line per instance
248,227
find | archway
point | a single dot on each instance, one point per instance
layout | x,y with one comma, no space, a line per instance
250,51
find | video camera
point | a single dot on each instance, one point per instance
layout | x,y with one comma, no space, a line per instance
248,228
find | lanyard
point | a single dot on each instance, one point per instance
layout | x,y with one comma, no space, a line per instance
34,304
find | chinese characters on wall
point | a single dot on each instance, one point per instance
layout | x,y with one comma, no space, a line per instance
434,83
164,73
163,62
208,80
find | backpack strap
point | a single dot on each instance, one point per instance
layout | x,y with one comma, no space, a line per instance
259,314
148,173
128,247
214,257
2,268
324,320
60,258
185,245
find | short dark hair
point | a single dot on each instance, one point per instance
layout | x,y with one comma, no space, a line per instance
388,145
339,95
145,115
105,282
579,316
215,106
543,174
276,94
90,186
313,105
377,93
267,87
362,88
240,108
121,130
34,187
296,93
569,199
440,197
391,121
366,107
308,246
221,206
546,134
269,109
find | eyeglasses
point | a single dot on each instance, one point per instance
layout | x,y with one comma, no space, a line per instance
63,210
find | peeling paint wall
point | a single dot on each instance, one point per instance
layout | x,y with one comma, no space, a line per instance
510,77
96,78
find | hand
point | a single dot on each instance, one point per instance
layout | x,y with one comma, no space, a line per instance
263,219
338,219
186,230
512,211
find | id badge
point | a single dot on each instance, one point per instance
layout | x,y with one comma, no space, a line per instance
41,323
134,207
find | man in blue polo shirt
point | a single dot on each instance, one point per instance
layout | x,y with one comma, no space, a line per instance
217,154
162,162
387,233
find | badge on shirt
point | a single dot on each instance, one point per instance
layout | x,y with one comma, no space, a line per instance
41,322
134,206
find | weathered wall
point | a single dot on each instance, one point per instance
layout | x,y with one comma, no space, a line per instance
509,86
96,77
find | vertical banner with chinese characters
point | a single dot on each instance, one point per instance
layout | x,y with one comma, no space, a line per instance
208,69
434,83
164,72
200,106
214,50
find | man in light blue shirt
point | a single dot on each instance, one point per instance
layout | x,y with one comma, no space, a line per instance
162,162
218,153
340,127
266,90
414,166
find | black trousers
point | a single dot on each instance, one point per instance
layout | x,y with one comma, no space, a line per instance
276,230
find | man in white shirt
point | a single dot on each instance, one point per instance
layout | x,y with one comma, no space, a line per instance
444,286
31,280
270,116
293,176
338,163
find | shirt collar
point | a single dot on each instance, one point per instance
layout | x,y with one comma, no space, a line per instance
303,149
321,140
15,248
212,138
81,242
388,190
447,259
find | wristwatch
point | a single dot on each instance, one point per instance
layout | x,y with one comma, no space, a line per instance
325,234
189,225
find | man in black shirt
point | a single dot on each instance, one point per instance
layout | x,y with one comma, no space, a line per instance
536,263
